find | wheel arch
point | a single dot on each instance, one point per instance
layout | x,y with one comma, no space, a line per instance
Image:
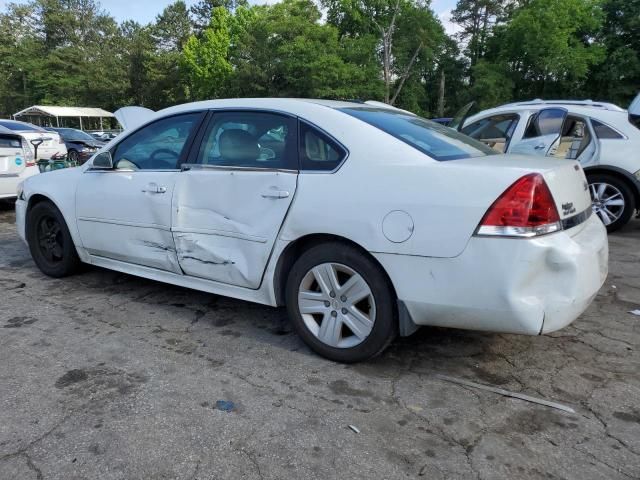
295,248
621,174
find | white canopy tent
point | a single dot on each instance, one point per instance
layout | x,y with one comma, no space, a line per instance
50,116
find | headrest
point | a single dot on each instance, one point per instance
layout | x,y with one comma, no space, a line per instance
238,144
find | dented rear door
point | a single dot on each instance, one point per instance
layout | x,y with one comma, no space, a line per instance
232,197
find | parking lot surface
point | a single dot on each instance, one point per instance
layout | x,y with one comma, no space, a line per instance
105,375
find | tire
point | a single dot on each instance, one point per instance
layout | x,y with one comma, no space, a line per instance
609,188
50,242
364,325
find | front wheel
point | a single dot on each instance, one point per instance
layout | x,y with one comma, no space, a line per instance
50,242
341,303
612,200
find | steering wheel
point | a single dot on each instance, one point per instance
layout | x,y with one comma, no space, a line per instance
172,153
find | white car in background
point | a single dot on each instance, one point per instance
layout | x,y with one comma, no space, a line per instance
364,221
51,146
16,163
603,137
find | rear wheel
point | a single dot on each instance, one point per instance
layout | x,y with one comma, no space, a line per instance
50,242
612,200
341,303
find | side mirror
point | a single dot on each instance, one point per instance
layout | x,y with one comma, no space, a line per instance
634,111
36,142
102,161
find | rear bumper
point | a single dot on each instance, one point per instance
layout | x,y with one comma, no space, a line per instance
505,285
9,183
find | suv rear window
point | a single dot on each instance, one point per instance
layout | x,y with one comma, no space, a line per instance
437,141
604,131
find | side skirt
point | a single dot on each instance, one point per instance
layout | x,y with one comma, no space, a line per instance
257,296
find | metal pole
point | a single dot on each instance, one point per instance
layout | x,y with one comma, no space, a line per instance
81,123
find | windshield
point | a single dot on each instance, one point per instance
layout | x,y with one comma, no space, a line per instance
437,141
71,134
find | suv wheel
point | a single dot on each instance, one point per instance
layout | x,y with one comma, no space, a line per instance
612,199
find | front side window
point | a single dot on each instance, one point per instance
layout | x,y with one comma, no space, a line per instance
250,140
494,131
318,152
157,146
437,141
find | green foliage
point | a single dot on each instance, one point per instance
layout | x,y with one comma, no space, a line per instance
71,52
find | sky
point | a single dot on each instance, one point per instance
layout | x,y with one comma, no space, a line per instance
144,11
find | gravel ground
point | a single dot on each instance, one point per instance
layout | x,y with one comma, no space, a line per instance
105,375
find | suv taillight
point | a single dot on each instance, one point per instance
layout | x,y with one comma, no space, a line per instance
525,209
29,159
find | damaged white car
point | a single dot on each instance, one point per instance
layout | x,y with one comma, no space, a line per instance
365,221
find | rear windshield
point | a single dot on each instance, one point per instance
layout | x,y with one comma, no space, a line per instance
9,141
439,142
72,135
19,126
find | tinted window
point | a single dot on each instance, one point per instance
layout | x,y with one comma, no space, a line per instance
603,131
250,139
9,142
318,152
546,122
20,127
157,146
500,126
71,134
439,142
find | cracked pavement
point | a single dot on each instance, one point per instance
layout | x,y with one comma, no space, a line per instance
105,375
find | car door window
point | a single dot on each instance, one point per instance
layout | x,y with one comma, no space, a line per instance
157,146
318,152
546,122
250,140
493,131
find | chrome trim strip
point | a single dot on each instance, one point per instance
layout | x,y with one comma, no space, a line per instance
518,232
127,170
205,166
9,175
577,219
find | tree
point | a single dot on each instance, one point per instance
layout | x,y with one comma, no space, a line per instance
206,59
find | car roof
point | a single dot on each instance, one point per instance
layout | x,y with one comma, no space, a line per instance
286,104
616,116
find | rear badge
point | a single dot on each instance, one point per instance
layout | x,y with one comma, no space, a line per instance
568,208
18,161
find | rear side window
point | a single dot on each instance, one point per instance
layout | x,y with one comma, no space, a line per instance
318,152
437,141
9,142
603,131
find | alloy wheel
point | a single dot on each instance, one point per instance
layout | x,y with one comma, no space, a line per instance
336,305
607,202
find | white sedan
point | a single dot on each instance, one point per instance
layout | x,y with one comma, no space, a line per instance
365,221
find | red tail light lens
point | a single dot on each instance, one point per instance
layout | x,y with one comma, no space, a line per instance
525,209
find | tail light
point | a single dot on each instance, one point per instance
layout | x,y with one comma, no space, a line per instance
525,209
29,159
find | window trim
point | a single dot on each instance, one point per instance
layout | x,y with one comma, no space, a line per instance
190,162
595,134
331,137
186,149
